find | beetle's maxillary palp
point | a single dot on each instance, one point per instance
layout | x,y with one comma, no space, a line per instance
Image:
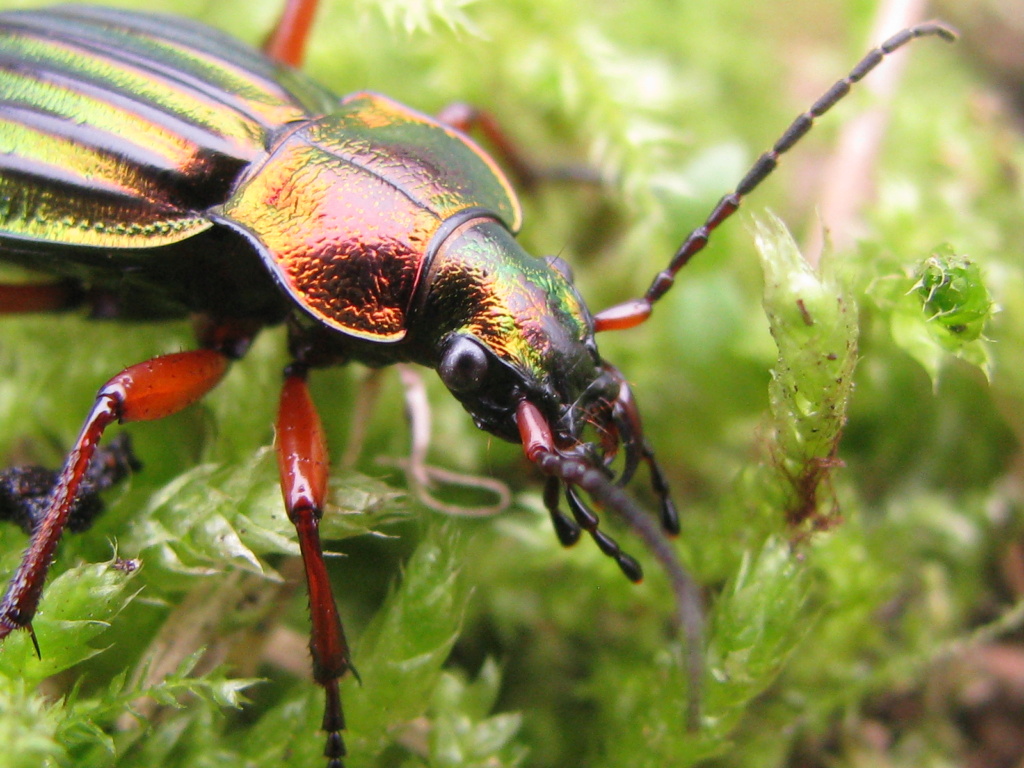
567,531
587,519
669,513
538,444
625,416
635,311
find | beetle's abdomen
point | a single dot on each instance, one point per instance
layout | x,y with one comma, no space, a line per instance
119,130
346,209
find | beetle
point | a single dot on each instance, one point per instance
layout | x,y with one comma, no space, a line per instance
166,169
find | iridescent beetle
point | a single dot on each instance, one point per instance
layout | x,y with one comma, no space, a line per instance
166,169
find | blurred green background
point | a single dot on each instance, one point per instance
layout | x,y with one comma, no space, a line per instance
844,451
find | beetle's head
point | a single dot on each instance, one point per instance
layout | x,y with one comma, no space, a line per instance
516,347
514,329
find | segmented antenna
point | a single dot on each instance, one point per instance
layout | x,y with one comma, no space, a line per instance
636,311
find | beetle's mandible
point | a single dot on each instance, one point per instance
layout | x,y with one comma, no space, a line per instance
163,170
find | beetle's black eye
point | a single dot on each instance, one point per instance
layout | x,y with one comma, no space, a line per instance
561,266
464,365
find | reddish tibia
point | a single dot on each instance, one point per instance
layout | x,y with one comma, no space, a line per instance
465,118
287,42
143,392
22,597
302,461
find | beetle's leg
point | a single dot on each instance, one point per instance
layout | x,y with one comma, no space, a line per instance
420,475
19,298
636,311
143,392
467,118
364,406
302,461
25,489
286,42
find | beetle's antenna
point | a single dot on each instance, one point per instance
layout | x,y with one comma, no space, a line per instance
636,311
689,604
689,601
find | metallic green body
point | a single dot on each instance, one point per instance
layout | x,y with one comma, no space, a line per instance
126,139
346,207
119,130
171,169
